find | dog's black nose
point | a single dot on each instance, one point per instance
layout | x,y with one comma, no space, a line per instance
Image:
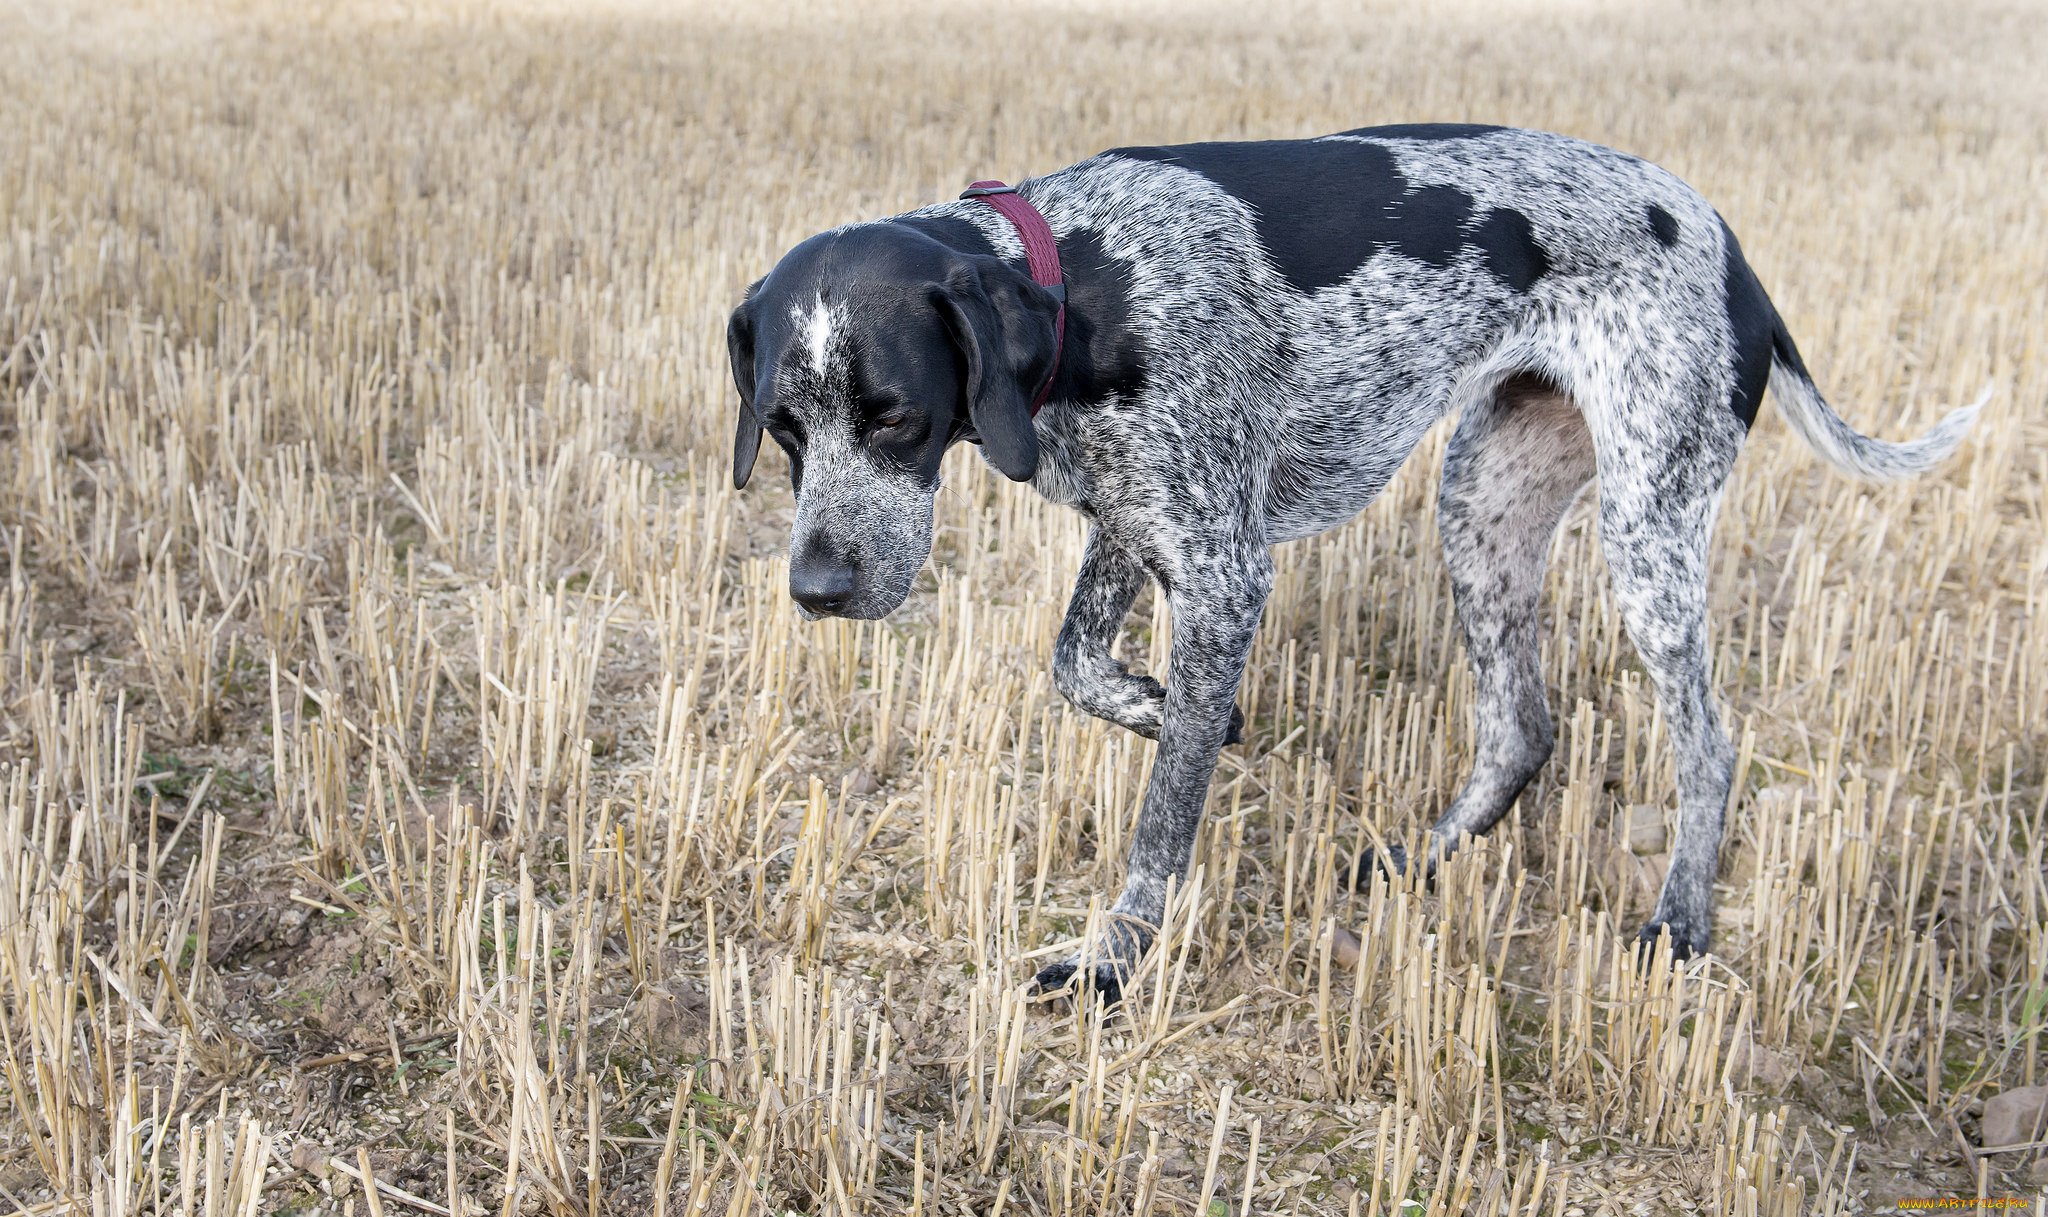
820,584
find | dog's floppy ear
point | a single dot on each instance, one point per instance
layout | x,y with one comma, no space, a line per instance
739,343
1002,323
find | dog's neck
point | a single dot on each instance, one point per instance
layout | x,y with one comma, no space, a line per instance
1101,359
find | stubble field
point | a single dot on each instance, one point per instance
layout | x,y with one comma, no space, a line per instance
413,764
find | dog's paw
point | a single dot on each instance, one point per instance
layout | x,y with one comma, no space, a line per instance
1146,722
1688,940
1371,862
1053,977
1057,979
1111,960
1133,702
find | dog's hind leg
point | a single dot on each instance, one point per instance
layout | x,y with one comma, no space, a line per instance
1517,460
1662,465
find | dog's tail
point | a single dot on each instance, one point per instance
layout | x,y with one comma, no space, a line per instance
1839,444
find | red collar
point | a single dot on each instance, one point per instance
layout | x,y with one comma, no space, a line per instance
1041,254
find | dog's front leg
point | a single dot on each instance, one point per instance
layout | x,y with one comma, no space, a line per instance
1084,665
1215,612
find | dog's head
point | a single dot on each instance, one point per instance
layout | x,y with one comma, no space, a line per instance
865,354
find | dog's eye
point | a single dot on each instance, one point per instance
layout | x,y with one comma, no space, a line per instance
890,418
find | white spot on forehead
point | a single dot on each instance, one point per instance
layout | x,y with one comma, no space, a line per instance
817,330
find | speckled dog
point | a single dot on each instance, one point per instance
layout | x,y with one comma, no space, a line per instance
1255,337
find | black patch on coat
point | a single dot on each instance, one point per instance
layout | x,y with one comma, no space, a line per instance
1104,355
1663,225
1753,327
1512,253
1325,207
1426,131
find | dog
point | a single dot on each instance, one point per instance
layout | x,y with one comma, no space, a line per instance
1240,345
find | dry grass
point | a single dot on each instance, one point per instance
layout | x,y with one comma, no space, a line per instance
416,771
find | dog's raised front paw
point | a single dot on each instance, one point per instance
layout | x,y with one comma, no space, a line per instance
1130,700
1134,702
